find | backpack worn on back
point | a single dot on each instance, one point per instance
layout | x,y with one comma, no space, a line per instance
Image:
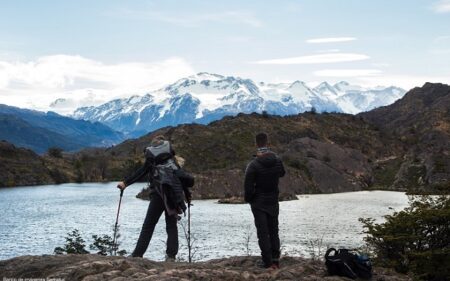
348,264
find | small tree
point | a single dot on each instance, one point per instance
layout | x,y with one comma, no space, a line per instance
247,234
103,245
316,248
55,152
74,244
415,240
190,242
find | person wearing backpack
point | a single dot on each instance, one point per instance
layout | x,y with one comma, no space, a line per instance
169,188
261,191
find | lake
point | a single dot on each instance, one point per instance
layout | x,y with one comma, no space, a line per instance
36,219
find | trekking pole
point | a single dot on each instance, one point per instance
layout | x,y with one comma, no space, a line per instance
189,231
116,225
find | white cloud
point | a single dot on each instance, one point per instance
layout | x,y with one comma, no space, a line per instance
330,40
405,81
316,59
381,64
37,83
347,72
328,51
442,6
191,20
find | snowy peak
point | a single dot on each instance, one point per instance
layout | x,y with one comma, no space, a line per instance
205,97
298,85
205,76
343,87
324,87
326,90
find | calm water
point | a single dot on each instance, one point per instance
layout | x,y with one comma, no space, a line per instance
35,220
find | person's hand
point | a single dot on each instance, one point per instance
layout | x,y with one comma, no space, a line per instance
188,198
121,185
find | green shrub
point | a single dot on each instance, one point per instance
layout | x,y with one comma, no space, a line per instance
298,165
55,152
74,244
103,245
415,240
58,176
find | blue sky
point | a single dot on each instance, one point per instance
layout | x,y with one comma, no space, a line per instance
104,49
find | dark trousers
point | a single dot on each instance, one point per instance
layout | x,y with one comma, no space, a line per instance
267,232
154,212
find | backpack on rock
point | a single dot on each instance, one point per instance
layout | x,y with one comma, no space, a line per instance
344,262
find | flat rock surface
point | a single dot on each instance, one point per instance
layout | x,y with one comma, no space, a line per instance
95,267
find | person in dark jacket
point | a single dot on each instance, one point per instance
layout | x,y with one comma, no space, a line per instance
167,195
261,191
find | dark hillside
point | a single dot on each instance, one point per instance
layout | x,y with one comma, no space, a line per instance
421,121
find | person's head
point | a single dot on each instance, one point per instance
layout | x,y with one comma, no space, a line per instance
158,140
261,140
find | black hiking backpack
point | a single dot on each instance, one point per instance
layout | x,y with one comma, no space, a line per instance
343,262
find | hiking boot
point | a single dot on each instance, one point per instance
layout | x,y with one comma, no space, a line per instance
276,262
134,256
170,259
261,264
274,266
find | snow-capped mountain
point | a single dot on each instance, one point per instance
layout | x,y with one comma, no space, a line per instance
206,97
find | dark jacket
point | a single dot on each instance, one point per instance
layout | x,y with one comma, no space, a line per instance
261,181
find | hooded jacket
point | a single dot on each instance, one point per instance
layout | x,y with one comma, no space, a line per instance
261,181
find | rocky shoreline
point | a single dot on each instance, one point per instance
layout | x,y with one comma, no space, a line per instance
95,267
284,196
240,200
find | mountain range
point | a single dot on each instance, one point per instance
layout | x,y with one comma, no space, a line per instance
41,130
402,146
206,97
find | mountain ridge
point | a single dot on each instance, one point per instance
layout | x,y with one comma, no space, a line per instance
206,97
323,153
41,130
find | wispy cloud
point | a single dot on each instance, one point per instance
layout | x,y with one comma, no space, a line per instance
442,6
330,40
191,20
317,59
404,81
328,51
38,83
347,72
381,64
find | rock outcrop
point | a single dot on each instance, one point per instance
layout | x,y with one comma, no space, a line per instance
95,267
328,166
